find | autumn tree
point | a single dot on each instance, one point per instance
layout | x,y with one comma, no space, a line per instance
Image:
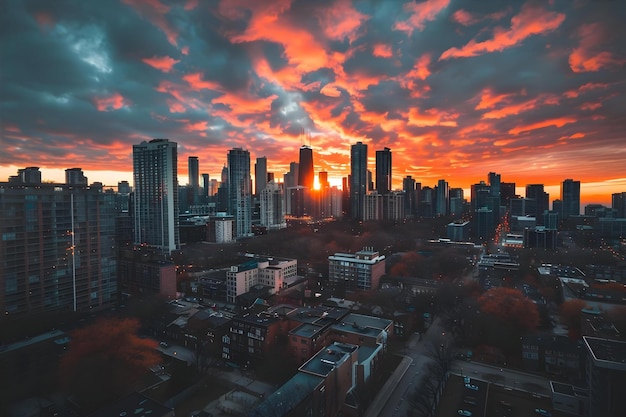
104,360
571,312
511,306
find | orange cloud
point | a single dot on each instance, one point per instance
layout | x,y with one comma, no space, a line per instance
521,107
584,88
196,82
532,20
195,127
465,18
489,100
587,57
382,51
421,13
155,12
574,136
340,20
112,102
175,106
590,106
431,117
558,122
162,63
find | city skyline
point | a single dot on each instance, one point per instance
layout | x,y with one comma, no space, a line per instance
532,90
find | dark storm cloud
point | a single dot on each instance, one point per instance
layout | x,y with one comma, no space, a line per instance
455,80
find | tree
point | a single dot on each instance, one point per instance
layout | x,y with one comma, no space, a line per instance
104,360
510,306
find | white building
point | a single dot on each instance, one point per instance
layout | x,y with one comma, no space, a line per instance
273,207
269,272
359,271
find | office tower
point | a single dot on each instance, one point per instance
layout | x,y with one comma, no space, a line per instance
425,201
383,171
205,185
260,175
542,201
358,179
306,176
323,179
457,201
410,199
239,193
570,196
272,207
507,192
618,203
58,249
485,226
441,203
370,181
75,176
155,197
480,194
346,209
193,184
494,183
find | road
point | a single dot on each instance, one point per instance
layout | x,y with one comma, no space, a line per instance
507,378
397,404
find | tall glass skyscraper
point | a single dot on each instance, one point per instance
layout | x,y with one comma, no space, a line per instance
306,176
155,197
194,180
239,190
260,175
570,197
383,171
358,179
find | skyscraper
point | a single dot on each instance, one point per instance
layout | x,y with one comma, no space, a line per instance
260,175
442,202
239,193
193,184
205,185
383,171
306,176
570,196
155,199
542,201
358,179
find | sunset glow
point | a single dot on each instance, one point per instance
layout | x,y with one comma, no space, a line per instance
533,90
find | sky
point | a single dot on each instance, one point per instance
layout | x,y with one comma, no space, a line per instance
533,90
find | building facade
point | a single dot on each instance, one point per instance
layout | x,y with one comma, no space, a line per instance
239,193
358,179
57,246
155,196
359,271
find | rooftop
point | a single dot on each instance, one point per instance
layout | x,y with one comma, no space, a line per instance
361,324
288,396
135,405
307,330
327,359
607,353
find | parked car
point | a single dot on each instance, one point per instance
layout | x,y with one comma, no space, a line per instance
542,412
465,413
471,386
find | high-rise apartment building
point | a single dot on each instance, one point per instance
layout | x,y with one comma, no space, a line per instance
272,207
358,271
570,197
57,246
239,193
75,176
410,199
155,196
358,179
206,183
442,203
260,175
383,171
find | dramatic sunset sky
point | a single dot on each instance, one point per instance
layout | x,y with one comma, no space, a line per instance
533,90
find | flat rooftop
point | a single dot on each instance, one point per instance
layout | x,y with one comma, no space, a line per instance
361,324
328,359
289,395
307,330
607,353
